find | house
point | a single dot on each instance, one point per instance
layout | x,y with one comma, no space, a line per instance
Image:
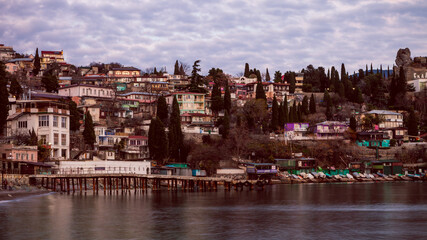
297,165
329,130
124,75
86,91
103,167
299,79
190,102
13,157
11,67
48,57
373,139
50,121
389,119
296,131
6,52
419,85
270,88
24,64
244,80
136,148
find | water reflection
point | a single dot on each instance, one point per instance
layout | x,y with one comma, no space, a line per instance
287,211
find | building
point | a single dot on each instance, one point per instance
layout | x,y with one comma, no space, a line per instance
49,57
86,91
103,167
389,119
296,131
299,79
190,102
136,148
6,53
270,89
50,121
329,130
419,85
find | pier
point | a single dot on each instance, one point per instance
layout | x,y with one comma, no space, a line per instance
137,182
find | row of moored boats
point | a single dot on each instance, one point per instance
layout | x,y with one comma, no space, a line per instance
319,177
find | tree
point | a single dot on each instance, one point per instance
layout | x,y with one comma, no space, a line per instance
50,83
176,69
33,138
267,75
247,72
281,116
260,93
292,83
226,125
37,66
217,102
326,97
274,114
157,141
175,132
353,123
196,78
89,131
412,123
358,97
312,106
227,98
181,70
277,77
4,98
74,116
162,110
304,107
15,88
285,110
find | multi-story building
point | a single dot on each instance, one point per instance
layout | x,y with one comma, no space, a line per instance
330,130
389,119
299,79
48,57
50,121
190,102
86,91
270,89
6,53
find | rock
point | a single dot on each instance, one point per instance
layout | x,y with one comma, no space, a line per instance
403,57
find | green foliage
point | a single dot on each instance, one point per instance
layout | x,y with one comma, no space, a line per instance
281,116
217,102
50,82
226,125
162,110
260,93
227,98
37,65
312,104
196,78
89,131
285,110
267,76
4,98
33,138
316,78
304,107
353,123
176,68
75,114
412,123
157,141
358,96
15,88
274,115
277,77
255,113
175,135
247,73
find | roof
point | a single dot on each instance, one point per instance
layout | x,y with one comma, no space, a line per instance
331,123
383,112
51,52
137,93
84,85
126,69
20,60
194,93
138,137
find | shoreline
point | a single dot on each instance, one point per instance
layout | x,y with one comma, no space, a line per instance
6,195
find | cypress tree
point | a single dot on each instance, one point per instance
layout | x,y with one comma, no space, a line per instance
157,141
89,131
358,96
37,65
74,116
33,138
326,97
227,98
281,116
50,83
176,69
295,112
304,107
226,125
367,73
260,93
247,72
277,77
4,98
361,74
329,110
353,123
343,73
341,91
217,103
401,83
412,123
299,112
15,88
175,132
312,104
267,75
274,114
292,83
162,110
258,75
181,70
372,70
285,110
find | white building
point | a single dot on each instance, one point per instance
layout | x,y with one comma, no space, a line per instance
102,167
50,121
86,91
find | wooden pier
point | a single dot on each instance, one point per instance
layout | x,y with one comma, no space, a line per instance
138,182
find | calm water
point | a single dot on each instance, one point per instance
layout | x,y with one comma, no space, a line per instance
323,211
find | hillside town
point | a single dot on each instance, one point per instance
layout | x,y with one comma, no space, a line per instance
60,118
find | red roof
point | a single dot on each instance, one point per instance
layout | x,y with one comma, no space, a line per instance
138,137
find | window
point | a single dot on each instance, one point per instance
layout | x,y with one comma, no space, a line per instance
64,153
55,138
63,122
43,139
55,121
43,121
22,124
63,139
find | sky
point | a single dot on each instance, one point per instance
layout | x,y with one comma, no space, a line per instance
278,35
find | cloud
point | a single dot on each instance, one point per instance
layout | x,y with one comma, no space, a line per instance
280,35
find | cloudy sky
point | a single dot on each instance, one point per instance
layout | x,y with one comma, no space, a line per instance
281,35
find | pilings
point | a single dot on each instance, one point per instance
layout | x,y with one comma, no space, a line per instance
138,183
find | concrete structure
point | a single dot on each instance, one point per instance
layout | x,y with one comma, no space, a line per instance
190,102
296,131
419,84
50,120
270,89
391,119
299,79
48,57
6,52
104,167
13,153
330,130
86,91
